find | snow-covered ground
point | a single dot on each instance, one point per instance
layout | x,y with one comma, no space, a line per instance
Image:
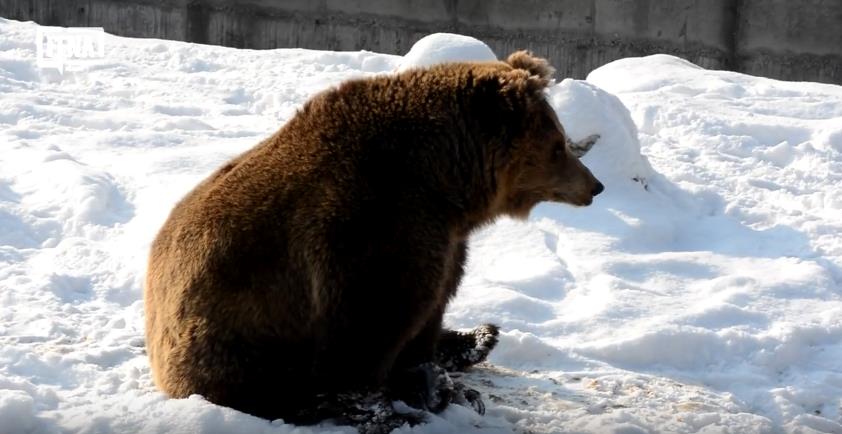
702,292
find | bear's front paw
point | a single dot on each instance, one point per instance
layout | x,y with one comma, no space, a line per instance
426,386
444,391
458,351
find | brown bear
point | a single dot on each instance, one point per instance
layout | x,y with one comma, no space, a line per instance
307,278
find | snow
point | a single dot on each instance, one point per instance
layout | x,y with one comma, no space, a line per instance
445,47
700,293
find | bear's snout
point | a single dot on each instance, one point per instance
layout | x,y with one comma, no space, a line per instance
598,188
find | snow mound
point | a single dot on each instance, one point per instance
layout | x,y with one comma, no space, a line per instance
585,109
445,47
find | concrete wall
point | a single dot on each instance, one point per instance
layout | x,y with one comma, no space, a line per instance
788,39
791,39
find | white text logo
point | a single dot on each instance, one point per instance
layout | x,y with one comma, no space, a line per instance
60,47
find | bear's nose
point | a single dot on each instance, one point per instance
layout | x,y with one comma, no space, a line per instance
597,188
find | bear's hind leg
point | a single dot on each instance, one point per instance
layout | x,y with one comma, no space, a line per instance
457,351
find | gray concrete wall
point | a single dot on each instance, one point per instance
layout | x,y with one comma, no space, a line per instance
788,39
791,39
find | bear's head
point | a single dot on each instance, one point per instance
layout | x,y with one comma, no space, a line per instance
538,165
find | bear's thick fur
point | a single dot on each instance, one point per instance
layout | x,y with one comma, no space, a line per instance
317,265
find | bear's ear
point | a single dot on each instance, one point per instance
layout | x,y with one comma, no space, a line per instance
527,79
539,69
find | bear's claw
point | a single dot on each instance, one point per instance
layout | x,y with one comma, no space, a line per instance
429,387
469,398
446,391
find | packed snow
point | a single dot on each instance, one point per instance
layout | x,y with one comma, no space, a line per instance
700,293
445,47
